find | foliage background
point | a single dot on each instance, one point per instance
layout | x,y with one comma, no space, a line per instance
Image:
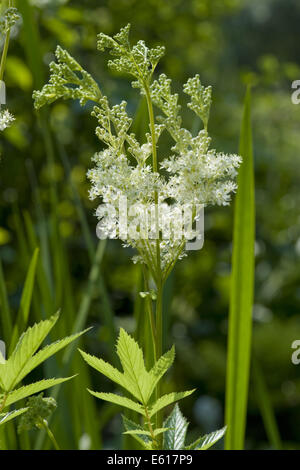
229,43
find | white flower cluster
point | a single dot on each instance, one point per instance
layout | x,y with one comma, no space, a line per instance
5,119
193,175
201,175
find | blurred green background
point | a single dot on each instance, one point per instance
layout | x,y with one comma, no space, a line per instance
44,160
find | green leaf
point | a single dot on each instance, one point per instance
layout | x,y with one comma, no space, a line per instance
36,387
174,438
48,351
142,438
241,297
160,431
156,432
138,431
106,369
119,400
166,400
205,442
159,369
132,360
23,313
5,417
29,342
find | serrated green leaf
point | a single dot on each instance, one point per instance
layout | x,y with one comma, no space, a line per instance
132,360
142,432
106,369
160,431
205,442
5,417
47,352
174,438
166,400
159,369
143,439
27,345
119,400
138,432
28,390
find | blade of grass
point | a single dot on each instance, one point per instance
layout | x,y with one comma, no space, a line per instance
105,302
81,317
43,224
23,313
265,406
241,297
42,279
79,206
6,320
23,249
31,40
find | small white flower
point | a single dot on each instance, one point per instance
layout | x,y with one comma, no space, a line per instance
5,119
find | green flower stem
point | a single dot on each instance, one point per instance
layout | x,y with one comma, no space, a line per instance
158,310
152,128
150,313
150,427
50,434
159,344
5,48
4,54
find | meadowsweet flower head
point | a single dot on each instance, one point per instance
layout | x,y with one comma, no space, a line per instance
5,119
127,178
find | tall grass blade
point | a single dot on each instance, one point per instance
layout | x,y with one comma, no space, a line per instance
241,298
265,406
78,203
23,313
6,321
